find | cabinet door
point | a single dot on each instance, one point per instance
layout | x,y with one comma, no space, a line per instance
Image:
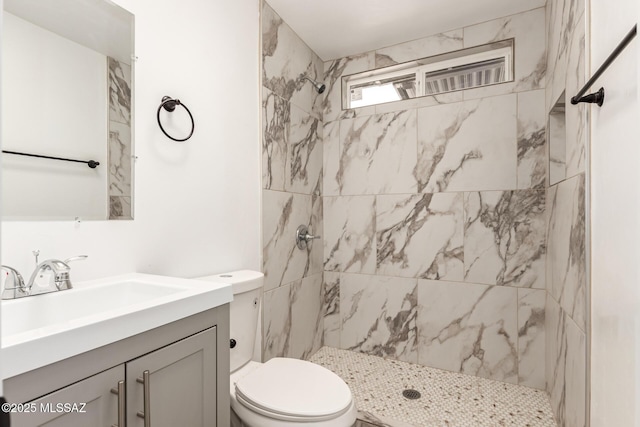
181,384
89,402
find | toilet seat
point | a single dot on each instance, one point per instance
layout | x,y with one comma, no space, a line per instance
281,389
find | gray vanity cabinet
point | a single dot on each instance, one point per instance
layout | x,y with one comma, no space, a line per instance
99,405
183,366
176,384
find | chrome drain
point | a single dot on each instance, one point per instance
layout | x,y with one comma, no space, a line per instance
411,394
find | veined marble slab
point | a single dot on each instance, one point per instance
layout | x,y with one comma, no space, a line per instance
286,59
333,73
283,261
468,328
566,279
468,146
378,154
293,319
532,140
418,49
349,237
378,315
504,238
420,236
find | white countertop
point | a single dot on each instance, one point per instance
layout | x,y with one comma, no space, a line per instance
43,329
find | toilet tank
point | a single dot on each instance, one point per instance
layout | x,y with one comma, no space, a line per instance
243,312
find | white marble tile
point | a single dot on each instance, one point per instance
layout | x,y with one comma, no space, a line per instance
528,30
120,171
575,376
556,357
568,15
316,228
566,366
468,146
303,166
413,103
331,158
318,98
566,248
285,60
275,131
379,315
556,82
576,115
283,262
349,234
468,328
504,238
420,236
552,30
563,17
418,49
306,316
557,146
333,73
119,164
378,154
293,319
120,207
550,197
119,91
276,315
331,309
531,338
532,140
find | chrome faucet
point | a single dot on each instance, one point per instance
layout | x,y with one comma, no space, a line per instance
14,286
60,271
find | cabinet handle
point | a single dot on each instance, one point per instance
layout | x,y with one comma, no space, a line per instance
146,415
121,402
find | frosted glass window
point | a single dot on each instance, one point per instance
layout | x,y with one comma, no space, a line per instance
462,69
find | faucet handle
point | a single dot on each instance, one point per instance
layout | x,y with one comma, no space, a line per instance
63,281
76,258
18,289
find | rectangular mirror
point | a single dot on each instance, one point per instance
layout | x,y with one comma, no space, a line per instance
67,129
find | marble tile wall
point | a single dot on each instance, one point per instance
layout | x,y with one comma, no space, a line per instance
435,214
292,182
120,172
443,243
566,278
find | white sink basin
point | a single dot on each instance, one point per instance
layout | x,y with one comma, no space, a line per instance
44,329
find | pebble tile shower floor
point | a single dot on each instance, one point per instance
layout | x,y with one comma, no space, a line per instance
448,399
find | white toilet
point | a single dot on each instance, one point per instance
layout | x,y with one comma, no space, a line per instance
281,392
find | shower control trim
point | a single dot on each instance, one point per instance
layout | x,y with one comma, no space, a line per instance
304,239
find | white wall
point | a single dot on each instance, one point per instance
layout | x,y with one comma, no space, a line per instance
54,96
615,221
197,204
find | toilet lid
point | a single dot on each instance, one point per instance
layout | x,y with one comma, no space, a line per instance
294,390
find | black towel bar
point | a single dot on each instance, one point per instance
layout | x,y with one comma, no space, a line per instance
91,163
598,97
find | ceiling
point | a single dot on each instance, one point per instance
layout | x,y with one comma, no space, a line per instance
337,28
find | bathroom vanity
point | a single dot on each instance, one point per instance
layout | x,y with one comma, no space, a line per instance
174,373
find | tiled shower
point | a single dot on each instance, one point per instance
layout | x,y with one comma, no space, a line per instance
444,243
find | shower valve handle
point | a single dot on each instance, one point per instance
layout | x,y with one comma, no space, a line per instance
303,237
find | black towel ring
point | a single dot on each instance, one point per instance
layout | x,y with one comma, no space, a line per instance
169,104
